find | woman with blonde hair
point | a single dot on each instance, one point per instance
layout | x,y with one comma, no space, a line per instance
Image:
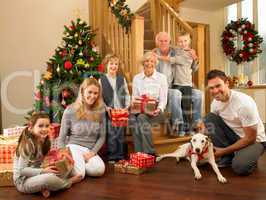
83,129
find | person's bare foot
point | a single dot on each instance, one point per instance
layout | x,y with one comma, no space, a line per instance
46,193
76,179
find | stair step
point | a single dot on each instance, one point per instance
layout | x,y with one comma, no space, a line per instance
148,34
147,24
149,44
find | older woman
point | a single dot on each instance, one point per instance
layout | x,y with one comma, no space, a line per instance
153,84
83,122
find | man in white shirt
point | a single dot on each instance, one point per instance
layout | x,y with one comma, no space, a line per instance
153,84
234,125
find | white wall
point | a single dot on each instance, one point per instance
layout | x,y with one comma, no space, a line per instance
216,21
30,31
134,5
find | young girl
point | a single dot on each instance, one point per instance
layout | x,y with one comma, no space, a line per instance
33,144
115,95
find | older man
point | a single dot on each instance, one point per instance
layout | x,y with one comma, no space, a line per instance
174,96
234,125
153,84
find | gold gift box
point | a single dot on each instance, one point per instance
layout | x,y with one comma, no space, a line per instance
6,175
128,169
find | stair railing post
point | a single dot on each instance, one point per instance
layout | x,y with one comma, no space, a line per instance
137,42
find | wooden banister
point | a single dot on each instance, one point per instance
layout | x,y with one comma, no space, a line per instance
112,37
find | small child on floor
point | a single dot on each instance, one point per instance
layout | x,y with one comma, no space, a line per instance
33,145
115,95
186,62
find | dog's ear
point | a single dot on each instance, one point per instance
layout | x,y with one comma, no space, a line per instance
200,128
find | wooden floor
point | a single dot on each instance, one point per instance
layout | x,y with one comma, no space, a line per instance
167,180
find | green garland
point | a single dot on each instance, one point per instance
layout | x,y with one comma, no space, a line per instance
122,13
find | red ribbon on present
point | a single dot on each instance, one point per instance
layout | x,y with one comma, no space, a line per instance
142,160
54,130
119,117
145,99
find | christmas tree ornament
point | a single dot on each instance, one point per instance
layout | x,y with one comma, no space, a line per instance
42,82
80,42
76,35
81,22
250,83
80,54
58,69
68,65
47,75
80,62
65,94
87,65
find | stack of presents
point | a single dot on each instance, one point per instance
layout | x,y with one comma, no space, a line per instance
61,158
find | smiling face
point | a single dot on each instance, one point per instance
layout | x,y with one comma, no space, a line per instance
112,66
219,89
149,65
91,94
184,41
199,142
163,42
41,128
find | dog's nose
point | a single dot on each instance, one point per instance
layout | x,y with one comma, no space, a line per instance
197,150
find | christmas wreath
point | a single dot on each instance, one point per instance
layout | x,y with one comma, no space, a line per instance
122,13
240,41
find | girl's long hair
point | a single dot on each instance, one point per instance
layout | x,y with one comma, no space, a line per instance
79,105
28,145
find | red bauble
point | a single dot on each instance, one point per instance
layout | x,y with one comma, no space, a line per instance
65,94
101,67
68,65
249,83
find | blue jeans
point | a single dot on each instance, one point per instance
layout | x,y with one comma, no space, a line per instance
174,106
243,161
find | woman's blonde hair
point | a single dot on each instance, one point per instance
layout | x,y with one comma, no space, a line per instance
80,103
28,145
147,56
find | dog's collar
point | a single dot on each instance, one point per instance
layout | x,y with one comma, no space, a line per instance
200,156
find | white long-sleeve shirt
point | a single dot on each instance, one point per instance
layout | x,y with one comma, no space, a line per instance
155,86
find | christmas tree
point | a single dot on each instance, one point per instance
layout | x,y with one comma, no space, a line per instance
77,58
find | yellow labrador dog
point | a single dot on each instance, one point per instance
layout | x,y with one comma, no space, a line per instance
199,150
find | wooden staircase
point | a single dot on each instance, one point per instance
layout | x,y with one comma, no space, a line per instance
130,47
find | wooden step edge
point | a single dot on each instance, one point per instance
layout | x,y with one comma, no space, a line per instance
172,140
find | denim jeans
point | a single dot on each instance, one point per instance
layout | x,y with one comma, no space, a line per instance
174,106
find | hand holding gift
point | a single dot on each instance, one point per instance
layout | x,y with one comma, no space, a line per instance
61,159
144,104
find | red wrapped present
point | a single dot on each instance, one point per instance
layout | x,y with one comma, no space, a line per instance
125,167
142,160
54,130
119,117
144,104
8,147
61,159
7,153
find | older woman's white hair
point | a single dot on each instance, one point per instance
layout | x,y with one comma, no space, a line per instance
160,35
147,56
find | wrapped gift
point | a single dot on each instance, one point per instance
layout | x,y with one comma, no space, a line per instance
61,159
16,131
126,167
119,117
54,130
144,104
142,160
8,147
6,175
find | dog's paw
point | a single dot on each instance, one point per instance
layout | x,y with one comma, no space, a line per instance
221,179
158,159
198,176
